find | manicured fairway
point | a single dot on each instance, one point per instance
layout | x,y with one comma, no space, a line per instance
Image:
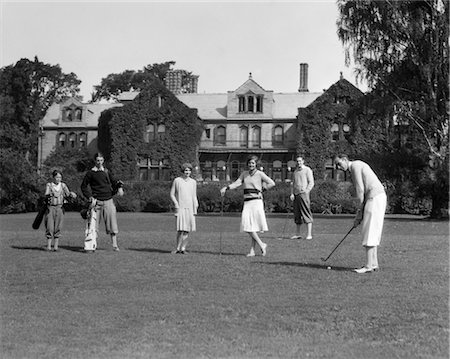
144,302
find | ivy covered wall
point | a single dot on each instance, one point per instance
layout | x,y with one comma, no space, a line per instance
122,132
315,141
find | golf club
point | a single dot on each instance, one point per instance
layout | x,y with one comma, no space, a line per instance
283,235
221,220
342,240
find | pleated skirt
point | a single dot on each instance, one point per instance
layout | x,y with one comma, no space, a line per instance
253,217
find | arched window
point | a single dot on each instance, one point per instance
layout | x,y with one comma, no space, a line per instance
161,131
334,132
256,136
72,140
149,134
83,139
78,114
220,136
243,136
68,114
278,135
62,139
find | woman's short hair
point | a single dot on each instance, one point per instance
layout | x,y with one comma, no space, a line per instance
186,165
56,172
252,158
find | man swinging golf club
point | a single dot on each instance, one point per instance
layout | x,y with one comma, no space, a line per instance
372,198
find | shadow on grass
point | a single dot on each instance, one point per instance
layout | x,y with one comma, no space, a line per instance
44,249
157,250
311,265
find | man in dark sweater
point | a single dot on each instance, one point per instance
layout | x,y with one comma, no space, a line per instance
99,186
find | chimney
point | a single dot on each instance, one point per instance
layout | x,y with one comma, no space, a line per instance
303,78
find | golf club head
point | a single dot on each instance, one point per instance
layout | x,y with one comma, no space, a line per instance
323,259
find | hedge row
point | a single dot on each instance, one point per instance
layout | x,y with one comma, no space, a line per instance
326,197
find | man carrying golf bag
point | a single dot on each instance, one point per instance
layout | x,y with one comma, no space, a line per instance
372,198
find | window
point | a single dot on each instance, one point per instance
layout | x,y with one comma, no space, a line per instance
68,115
334,132
62,139
83,139
149,134
78,114
256,136
278,135
161,131
241,103
276,171
250,103
208,133
220,138
72,140
221,170
243,136
346,130
259,104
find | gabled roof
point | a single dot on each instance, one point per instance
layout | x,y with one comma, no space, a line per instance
250,85
91,114
70,101
214,106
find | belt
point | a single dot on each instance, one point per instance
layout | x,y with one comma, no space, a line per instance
250,199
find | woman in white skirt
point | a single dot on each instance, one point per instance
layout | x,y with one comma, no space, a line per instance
253,219
184,196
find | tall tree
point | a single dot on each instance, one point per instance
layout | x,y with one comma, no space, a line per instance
27,89
401,49
112,85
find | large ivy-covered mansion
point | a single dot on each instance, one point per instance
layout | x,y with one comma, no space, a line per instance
246,120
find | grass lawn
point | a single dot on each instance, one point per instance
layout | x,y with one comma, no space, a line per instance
144,302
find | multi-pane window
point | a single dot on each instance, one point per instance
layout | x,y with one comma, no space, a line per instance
243,136
278,135
256,136
161,131
149,134
72,113
220,136
250,103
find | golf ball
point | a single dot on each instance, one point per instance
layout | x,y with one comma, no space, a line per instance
328,267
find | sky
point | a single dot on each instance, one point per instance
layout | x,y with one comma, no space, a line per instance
221,41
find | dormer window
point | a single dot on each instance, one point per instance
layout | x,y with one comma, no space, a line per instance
72,113
250,103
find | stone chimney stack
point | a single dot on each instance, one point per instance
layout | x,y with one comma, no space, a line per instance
303,78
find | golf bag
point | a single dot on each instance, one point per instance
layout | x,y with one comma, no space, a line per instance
90,234
42,210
